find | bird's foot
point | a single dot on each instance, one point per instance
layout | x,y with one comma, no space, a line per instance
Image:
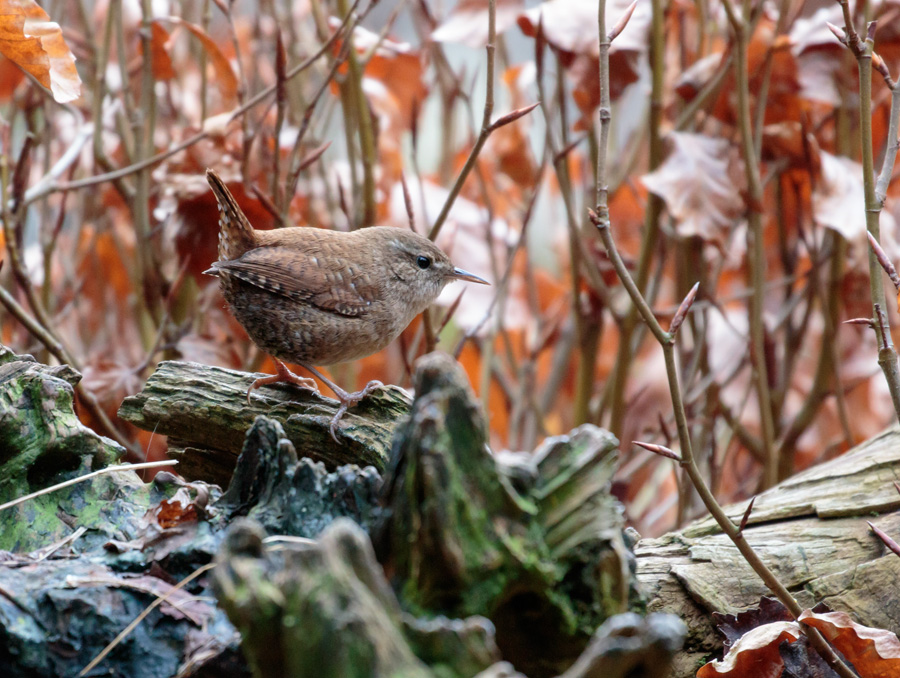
284,375
347,401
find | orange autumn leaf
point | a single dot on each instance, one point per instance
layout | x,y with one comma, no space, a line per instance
393,78
11,76
755,654
35,44
571,27
701,183
225,79
874,653
162,62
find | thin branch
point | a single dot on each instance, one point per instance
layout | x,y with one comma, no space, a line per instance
156,603
88,476
485,125
757,261
53,187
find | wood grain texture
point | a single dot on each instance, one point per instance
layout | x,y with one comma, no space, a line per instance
811,530
204,412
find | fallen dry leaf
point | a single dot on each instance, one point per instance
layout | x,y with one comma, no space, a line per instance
162,62
755,654
35,43
733,626
571,25
874,653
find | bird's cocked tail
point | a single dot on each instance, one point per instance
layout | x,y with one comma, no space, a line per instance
236,235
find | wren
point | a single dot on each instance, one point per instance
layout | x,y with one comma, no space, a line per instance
311,296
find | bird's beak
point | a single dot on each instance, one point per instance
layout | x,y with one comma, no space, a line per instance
459,274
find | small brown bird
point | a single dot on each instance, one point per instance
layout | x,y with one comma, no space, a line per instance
312,296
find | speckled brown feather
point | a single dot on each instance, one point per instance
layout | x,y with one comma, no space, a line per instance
236,235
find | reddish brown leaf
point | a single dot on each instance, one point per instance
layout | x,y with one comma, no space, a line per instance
393,81
225,79
874,653
162,62
755,654
701,183
467,22
733,626
36,45
172,513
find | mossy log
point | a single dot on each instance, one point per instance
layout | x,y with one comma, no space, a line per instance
205,414
541,554
325,610
811,530
111,545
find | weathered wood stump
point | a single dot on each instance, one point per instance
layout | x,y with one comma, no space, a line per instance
204,412
810,529
546,545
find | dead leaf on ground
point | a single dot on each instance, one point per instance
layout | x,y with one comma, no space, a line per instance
874,653
734,626
755,654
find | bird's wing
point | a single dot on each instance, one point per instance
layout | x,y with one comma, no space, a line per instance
338,288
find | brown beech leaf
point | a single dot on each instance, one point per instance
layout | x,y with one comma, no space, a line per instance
817,52
467,22
225,79
695,77
571,25
393,81
701,183
162,62
755,654
733,626
802,661
839,200
36,45
874,653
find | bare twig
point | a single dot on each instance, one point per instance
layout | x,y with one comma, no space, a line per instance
88,476
863,51
52,186
143,615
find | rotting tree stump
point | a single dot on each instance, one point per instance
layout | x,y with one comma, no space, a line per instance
810,530
544,538
205,414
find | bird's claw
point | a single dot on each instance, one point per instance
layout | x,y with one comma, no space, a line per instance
284,375
349,400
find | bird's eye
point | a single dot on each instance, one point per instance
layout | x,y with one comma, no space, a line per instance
423,262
